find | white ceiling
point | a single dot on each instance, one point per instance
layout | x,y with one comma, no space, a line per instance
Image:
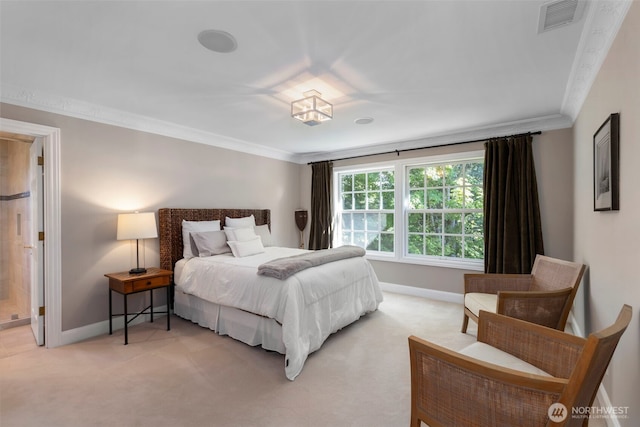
428,72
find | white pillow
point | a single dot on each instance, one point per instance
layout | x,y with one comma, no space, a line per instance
246,248
240,234
265,235
193,226
248,221
210,243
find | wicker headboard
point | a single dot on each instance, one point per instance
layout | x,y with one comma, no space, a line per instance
171,227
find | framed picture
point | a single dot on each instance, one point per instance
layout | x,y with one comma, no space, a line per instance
606,165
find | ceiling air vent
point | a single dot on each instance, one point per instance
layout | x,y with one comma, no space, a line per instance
556,14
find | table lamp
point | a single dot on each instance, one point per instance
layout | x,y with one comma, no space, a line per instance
137,226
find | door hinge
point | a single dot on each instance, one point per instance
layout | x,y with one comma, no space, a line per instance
41,311
40,160
41,236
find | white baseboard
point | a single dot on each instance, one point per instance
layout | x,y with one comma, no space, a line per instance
95,329
603,399
602,396
422,292
89,331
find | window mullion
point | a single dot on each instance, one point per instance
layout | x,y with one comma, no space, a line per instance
452,184
401,205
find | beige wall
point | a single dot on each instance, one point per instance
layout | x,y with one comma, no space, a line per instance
553,153
609,242
106,170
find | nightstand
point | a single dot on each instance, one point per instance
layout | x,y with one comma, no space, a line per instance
127,284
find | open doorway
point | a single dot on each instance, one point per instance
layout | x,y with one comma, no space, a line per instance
47,308
16,222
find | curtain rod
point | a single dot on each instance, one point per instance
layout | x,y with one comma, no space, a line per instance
432,146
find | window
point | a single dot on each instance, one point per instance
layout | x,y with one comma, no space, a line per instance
367,210
426,211
444,213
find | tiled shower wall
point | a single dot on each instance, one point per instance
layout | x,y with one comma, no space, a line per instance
15,220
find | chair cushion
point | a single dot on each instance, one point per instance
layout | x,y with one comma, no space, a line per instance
477,301
486,353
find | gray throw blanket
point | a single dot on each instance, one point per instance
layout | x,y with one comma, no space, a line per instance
282,268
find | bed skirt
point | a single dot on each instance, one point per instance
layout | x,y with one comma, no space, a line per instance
238,324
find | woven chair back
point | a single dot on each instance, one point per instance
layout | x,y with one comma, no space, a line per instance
554,274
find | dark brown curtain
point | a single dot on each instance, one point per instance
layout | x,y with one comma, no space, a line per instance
512,227
321,232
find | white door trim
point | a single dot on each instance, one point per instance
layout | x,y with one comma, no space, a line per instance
52,224
36,247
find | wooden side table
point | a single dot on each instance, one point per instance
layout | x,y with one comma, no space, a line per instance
127,284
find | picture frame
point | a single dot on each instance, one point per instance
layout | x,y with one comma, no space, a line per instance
606,165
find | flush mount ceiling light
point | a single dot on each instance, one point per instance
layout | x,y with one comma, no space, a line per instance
311,110
217,41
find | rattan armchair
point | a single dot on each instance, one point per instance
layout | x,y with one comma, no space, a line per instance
551,367
544,297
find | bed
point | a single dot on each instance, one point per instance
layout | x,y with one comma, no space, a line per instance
292,316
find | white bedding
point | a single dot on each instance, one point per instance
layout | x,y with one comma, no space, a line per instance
310,305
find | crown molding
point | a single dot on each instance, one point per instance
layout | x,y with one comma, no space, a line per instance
546,123
96,113
603,21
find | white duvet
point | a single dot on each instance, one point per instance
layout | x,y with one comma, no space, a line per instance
310,305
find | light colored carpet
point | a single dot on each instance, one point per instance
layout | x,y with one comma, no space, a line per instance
191,376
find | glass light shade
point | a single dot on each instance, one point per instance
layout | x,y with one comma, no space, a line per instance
311,110
137,226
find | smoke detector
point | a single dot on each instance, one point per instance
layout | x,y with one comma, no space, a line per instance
556,14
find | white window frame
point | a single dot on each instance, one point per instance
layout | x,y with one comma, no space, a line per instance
400,168
337,202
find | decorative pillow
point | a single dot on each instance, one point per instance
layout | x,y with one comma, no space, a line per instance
246,248
210,243
244,234
265,235
248,221
192,226
240,234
